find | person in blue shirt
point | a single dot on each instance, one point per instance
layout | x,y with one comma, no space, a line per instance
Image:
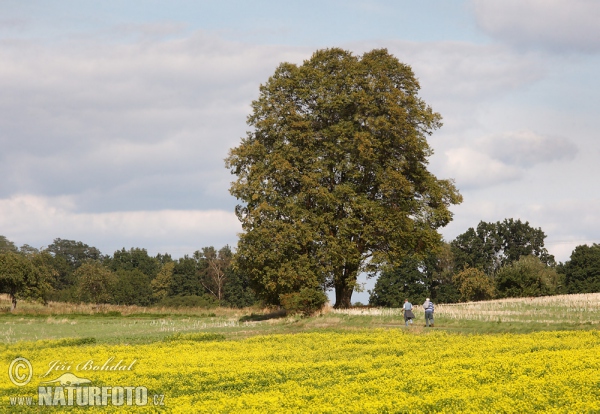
428,306
408,313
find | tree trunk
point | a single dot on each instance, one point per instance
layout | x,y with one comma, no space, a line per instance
344,287
343,296
13,305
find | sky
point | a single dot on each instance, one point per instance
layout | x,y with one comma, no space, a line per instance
115,117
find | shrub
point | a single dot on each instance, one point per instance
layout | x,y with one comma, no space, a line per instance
528,276
307,301
474,285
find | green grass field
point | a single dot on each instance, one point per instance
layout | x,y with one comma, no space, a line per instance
135,325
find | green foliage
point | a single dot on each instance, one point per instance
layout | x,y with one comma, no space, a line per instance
582,271
307,301
395,285
67,256
95,282
237,291
527,276
47,274
474,285
417,279
333,175
74,252
20,279
6,245
161,284
213,266
493,245
186,278
132,288
134,258
189,301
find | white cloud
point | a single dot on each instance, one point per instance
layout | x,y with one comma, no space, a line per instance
37,221
566,223
558,25
526,148
501,158
458,78
472,169
92,116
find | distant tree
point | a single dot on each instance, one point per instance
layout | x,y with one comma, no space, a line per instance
134,258
528,276
6,245
164,258
74,252
161,284
474,285
333,176
68,255
64,283
582,270
186,278
440,268
132,287
214,266
95,282
47,274
493,245
404,281
28,250
19,278
237,291
520,239
416,279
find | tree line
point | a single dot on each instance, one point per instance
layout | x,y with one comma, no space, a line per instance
72,271
495,260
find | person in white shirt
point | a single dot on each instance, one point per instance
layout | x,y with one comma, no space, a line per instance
428,306
408,313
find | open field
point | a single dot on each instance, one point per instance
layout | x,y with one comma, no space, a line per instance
512,356
130,324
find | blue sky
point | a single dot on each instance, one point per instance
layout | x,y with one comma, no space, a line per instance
115,117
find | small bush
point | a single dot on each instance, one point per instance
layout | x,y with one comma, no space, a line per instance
307,301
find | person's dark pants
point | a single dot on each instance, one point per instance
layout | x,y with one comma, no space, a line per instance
428,317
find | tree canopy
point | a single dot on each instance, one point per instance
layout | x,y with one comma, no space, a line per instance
333,176
493,245
582,270
528,276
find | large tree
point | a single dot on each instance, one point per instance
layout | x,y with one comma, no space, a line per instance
582,271
333,175
132,259
23,277
214,267
494,245
528,276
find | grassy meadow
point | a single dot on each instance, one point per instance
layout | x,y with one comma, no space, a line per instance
511,355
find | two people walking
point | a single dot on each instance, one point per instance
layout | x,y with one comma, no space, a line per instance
409,315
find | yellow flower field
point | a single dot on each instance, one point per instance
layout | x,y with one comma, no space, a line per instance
374,371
